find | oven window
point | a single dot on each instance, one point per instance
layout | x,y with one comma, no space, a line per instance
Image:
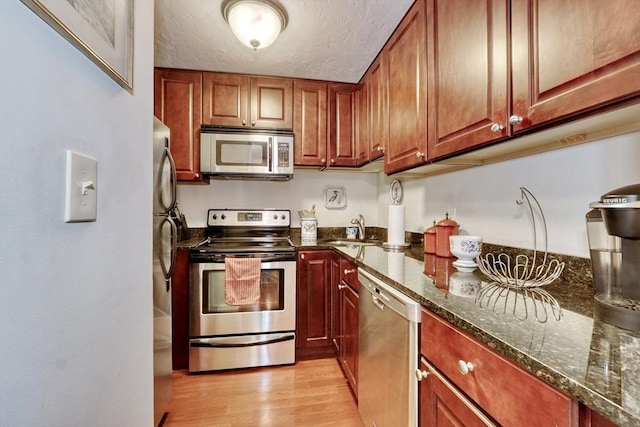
241,153
271,292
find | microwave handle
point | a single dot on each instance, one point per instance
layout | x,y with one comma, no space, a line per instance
270,154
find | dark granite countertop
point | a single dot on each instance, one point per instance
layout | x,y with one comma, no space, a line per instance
552,334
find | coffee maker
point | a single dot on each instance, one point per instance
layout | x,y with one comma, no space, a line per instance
613,228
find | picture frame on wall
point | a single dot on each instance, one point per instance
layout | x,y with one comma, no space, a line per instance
335,197
101,30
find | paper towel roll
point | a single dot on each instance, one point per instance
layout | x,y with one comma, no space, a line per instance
395,229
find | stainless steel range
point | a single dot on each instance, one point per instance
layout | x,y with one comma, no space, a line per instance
261,333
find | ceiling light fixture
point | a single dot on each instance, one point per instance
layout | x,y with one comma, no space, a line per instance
256,23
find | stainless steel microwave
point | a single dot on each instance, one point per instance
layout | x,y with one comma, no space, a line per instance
232,153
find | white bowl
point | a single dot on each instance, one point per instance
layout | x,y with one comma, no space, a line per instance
466,249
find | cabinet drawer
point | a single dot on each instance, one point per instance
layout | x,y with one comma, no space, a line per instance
509,394
349,273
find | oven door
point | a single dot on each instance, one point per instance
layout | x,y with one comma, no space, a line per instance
209,315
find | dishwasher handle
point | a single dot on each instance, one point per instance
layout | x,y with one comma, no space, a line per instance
377,302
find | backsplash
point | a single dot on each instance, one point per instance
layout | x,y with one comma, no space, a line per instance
577,271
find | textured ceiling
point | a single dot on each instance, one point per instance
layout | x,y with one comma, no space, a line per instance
332,40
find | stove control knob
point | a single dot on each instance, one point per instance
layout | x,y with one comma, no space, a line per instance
223,217
275,217
283,217
215,217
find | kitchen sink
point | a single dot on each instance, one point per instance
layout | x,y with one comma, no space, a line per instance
351,243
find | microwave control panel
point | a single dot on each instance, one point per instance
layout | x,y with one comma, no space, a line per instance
283,154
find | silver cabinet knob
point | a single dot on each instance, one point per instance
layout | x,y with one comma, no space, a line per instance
302,256
421,375
341,286
419,154
464,367
380,148
244,122
333,161
515,120
323,161
496,128
346,272
253,122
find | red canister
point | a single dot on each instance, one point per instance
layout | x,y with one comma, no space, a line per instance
445,228
430,239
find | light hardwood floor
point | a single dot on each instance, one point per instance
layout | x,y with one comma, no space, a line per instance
309,393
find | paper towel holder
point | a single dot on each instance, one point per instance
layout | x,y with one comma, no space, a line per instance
396,192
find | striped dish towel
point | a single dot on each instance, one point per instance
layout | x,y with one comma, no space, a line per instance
242,281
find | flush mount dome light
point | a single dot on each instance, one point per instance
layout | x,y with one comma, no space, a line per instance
256,23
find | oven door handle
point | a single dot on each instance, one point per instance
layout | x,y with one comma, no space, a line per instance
241,341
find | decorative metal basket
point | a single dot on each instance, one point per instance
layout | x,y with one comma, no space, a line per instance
523,271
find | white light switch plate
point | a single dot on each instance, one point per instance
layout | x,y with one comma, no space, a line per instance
81,194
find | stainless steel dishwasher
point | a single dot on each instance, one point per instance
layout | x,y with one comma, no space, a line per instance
387,355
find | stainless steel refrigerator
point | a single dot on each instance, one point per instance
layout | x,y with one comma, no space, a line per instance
164,249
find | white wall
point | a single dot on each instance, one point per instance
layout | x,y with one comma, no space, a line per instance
483,198
75,299
304,190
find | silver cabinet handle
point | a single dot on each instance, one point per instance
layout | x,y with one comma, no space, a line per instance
515,120
496,128
419,154
380,149
346,272
341,286
464,367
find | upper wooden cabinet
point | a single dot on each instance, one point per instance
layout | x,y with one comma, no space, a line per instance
343,147
310,123
567,59
571,56
468,81
376,83
178,103
405,56
239,100
363,124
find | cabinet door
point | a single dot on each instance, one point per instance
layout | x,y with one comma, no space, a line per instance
362,124
349,327
310,123
405,54
441,404
225,99
468,74
342,130
376,80
180,311
271,103
313,315
336,303
178,103
572,56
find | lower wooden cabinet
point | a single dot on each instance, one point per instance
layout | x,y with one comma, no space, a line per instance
441,404
313,305
180,310
488,380
348,356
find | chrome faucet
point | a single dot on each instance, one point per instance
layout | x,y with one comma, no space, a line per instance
361,228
